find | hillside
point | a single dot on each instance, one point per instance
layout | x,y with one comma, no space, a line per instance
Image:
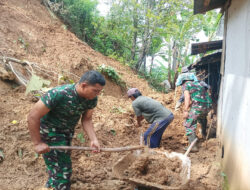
29,32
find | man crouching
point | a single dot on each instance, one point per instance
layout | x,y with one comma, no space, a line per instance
154,113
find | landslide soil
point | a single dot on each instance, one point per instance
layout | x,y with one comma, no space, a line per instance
155,168
29,32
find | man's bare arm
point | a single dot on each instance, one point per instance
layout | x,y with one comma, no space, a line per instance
139,119
89,128
187,100
36,113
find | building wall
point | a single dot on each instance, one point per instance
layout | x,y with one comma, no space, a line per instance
234,100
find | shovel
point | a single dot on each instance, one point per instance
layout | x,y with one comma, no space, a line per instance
122,164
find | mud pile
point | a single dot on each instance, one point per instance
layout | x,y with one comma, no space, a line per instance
156,168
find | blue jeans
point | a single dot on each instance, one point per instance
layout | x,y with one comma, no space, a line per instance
155,131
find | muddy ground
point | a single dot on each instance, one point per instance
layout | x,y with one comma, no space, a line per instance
28,31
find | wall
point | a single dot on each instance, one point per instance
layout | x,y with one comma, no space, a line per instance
234,100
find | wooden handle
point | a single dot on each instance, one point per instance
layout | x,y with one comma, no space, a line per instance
118,149
191,146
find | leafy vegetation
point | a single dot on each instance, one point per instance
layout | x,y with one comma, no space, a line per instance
35,84
117,110
112,74
113,132
152,37
225,182
80,137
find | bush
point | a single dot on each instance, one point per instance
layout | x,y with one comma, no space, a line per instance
112,74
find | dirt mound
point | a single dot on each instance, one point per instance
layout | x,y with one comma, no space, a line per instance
156,168
29,32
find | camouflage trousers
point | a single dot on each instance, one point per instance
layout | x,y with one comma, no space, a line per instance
194,116
58,162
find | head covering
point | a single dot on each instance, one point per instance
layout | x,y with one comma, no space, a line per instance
185,76
132,91
184,69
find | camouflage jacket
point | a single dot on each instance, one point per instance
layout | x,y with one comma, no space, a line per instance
199,95
66,107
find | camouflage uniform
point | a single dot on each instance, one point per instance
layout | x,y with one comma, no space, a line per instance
57,129
201,104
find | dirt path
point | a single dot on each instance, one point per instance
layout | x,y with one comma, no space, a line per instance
49,44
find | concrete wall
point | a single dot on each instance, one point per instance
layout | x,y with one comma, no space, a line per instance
234,101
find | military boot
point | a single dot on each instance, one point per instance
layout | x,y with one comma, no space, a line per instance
191,138
204,128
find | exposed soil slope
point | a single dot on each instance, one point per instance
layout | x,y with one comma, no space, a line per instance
28,31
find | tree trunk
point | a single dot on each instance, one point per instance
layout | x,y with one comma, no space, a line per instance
169,63
175,55
176,69
144,65
151,65
146,38
135,24
142,54
185,54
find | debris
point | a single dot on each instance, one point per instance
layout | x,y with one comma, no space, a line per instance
80,136
14,122
113,132
20,153
1,155
36,83
154,169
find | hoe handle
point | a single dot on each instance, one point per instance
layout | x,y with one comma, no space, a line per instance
191,146
117,149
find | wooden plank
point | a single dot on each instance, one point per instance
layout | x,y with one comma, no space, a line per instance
206,46
202,6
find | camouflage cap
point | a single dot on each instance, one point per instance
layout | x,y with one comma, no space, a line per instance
185,76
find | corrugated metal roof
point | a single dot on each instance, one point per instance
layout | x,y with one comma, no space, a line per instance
214,58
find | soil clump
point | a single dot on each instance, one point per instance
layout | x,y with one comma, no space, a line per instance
156,168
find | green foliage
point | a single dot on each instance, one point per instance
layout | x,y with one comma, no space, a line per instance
225,182
212,20
24,44
36,83
117,110
20,153
136,29
113,132
112,74
36,155
80,137
156,77
79,15
66,79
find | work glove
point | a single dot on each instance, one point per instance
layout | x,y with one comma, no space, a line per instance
177,106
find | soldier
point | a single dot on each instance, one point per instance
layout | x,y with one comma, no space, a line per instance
153,112
186,71
52,120
197,105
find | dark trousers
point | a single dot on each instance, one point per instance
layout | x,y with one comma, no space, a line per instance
153,135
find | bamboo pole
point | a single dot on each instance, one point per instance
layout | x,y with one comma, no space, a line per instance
117,149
